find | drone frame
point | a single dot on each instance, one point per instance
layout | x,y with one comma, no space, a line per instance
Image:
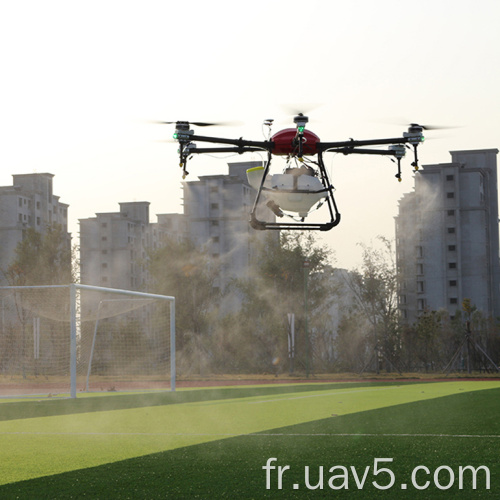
330,200
297,148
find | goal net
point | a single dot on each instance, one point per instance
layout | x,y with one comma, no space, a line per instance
68,339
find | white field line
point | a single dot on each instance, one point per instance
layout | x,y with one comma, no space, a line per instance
259,434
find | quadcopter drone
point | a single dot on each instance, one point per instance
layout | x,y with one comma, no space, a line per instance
304,185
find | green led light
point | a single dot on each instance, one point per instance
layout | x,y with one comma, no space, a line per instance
422,139
301,129
176,135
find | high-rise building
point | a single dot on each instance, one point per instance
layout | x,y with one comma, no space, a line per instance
217,209
447,241
28,203
114,246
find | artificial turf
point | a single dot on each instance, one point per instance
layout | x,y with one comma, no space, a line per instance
453,430
44,406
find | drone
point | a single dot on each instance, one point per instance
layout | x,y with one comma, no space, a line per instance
304,184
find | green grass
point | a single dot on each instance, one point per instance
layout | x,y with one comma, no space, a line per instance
213,443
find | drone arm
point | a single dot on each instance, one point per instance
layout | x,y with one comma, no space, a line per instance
348,151
352,147
187,146
351,144
235,149
241,143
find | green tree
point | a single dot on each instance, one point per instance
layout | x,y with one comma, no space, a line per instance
429,334
42,259
183,270
351,343
281,284
374,287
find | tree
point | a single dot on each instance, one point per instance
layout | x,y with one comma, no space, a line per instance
281,284
374,287
429,335
181,269
42,259
351,342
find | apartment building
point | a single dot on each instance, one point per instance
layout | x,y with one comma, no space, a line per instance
28,203
114,246
217,208
447,242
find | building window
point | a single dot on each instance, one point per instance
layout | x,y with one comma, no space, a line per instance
452,248
450,177
214,206
451,212
452,265
451,230
20,202
450,195
421,304
420,269
420,252
214,223
420,286
453,300
453,282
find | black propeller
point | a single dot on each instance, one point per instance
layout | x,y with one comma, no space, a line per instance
423,127
431,127
303,109
200,124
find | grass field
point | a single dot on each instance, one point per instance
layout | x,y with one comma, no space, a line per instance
330,439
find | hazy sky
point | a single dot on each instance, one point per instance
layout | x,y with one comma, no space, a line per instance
79,80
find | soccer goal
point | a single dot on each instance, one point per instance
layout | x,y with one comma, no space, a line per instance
66,339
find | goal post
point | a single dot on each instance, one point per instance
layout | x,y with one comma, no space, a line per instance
55,338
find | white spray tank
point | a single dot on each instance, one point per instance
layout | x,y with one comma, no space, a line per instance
297,190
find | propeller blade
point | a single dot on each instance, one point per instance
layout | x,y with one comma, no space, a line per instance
432,127
200,124
159,122
302,109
